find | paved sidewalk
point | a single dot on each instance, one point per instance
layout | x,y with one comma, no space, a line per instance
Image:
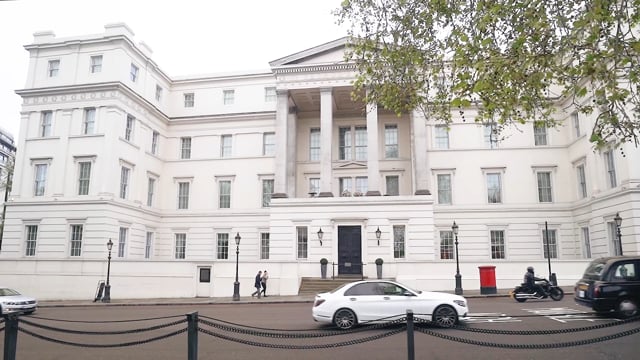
568,291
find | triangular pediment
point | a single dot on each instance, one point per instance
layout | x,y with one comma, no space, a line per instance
351,165
328,53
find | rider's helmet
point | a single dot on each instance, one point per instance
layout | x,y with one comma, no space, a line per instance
530,269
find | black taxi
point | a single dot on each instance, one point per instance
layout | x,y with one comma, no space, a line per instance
611,285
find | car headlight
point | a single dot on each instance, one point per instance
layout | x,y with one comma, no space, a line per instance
461,303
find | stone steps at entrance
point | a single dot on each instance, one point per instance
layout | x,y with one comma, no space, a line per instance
312,286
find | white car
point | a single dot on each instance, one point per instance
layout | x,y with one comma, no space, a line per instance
383,300
12,301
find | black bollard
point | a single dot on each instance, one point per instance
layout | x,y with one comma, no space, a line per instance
10,336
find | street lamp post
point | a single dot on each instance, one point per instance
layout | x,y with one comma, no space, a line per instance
618,221
236,284
107,288
458,289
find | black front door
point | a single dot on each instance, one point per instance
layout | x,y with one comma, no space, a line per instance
349,250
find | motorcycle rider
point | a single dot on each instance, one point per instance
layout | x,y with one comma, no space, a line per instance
530,281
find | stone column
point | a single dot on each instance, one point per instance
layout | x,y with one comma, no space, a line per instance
419,149
326,132
282,113
292,135
373,164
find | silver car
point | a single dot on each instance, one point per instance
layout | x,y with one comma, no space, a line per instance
383,300
12,301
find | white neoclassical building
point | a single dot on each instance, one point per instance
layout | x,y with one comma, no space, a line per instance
172,169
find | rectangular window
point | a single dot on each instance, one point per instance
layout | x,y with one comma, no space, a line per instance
346,186
362,184
128,131
314,144
189,100
228,97
576,124
84,176
446,245
224,194
151,188
267,191
45,123
269,144
344,147
613,238
133,73
40,179
264,246
158,93
361,143
544,187
398,241
497,244
540,134
314,187
183,195
444,189
301,241
76,240
582,181
32,238
122,241
223,246
148,245
491,135
391,141
441,137
89,121
185,148
550,244
586,241
53,68
181,245
155,141
494,188
96,64
225,146
269,94
611,169
124,182
393,185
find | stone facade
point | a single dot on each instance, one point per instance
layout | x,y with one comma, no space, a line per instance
172,170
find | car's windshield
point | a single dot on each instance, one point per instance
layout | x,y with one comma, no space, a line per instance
594,270
8,292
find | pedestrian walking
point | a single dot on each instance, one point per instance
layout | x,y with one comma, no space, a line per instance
263,280
258,284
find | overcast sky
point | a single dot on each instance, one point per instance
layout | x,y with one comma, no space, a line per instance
187,36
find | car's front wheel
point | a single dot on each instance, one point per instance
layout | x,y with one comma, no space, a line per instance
345,319
445,316
627,308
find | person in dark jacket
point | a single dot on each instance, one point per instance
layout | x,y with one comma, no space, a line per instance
530,281
258,284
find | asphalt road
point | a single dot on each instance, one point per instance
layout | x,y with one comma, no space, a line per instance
492,314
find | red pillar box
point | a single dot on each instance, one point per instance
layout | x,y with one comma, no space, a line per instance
488,279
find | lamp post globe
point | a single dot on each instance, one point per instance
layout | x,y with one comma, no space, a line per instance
236,284
458,277
107,288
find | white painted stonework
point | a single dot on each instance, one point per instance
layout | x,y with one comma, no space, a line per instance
282,125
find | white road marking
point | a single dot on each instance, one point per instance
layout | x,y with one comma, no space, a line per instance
490,318
564,314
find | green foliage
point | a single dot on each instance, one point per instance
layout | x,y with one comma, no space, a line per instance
512,61
379,261
324,261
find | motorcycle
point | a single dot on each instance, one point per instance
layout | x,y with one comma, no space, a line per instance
522,292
